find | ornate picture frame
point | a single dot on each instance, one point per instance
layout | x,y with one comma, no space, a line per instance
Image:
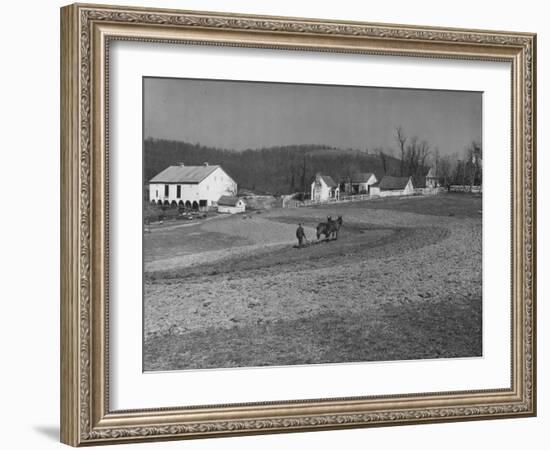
86,34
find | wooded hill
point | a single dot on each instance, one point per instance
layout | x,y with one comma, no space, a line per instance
273,170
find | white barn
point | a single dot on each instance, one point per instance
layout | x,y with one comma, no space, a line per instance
231,205
323,188
197,187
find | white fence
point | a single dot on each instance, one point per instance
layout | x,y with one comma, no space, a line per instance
291,203
428,191
342,199
465,188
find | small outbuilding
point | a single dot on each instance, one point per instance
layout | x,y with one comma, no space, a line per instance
231,205
396,186
361,183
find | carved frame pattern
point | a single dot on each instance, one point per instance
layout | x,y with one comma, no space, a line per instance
94,422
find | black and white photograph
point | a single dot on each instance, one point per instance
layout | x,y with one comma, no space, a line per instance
293,224
275,225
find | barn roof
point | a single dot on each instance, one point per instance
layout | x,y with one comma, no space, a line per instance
228,200
361,177
391,183
328,181
183,174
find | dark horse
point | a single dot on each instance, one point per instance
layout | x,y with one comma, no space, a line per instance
329,228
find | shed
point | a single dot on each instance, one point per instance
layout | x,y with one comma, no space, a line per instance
396,186
360,183
231,205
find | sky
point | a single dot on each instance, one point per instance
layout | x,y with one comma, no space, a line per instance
239,115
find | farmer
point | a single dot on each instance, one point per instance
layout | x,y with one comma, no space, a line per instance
300,235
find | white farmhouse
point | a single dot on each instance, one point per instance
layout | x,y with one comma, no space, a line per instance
197,187
324,188
231,205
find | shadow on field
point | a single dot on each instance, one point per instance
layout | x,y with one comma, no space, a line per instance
446,328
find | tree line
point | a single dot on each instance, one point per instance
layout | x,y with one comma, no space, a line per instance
416,156
272,170
290,169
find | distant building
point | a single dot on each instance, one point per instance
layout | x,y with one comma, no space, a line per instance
361,182
197,187
231,205
432,180
389,186
323,188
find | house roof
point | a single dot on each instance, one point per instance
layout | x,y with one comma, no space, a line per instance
361,177
431,173
183,174
228,200
328,180
391,183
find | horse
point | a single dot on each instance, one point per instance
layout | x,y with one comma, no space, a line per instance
329,228
336,224
324,228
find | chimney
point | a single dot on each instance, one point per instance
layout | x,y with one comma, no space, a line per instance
205,164
181,164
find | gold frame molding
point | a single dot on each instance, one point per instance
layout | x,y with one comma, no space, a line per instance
86,31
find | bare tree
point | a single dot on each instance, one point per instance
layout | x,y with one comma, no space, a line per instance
412,156
463,167
349,171
445,169
436,158
303,174
384,160
473,161
423,154
401,140
383,155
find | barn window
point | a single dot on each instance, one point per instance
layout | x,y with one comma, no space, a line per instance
178,191
157,193
166,190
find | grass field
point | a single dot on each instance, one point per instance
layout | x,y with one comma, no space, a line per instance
403,281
